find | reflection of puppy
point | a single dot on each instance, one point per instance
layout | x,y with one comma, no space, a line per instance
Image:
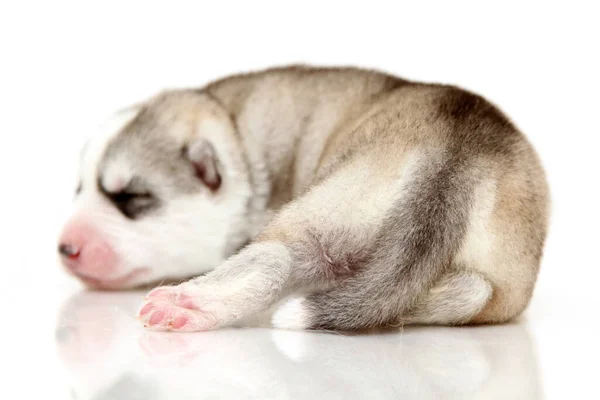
94,337
392,202
418,363
108,356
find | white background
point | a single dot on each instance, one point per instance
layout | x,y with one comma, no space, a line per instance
64,66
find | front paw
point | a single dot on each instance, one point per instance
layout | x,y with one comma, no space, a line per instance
184,307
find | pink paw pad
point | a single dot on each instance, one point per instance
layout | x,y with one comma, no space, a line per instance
179,322
146,309
169,309
156,318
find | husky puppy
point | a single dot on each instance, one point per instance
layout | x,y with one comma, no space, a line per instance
329,198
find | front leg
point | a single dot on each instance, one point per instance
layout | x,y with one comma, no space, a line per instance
314,244
246,284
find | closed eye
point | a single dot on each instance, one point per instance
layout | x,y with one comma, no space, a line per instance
134,200
123,197
133,205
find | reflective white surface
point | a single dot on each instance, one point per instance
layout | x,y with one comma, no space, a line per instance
107,355
73,344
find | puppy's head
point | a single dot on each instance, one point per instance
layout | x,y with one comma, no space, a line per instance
162,194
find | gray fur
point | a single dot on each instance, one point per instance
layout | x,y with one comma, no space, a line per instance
413,248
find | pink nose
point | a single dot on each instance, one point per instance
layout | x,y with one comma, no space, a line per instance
69,251
85,251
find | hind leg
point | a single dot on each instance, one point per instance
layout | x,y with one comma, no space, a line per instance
455,299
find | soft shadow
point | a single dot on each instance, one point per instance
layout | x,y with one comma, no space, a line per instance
108,355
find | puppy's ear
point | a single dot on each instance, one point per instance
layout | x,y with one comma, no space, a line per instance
203,157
